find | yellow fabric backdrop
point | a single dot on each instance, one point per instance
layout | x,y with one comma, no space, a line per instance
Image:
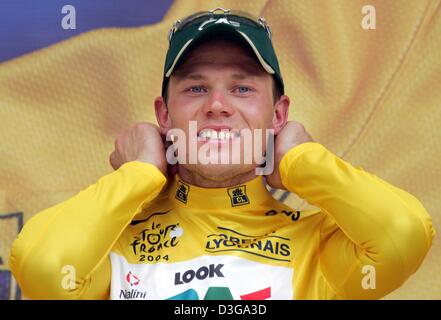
372,97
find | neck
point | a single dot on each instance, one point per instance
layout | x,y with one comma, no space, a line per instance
204,181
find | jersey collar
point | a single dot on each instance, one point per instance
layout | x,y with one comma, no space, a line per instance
240,196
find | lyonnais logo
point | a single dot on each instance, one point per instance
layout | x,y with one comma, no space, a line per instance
238,196
182,192
211,271
269,246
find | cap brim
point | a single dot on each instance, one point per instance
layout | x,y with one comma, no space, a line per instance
210,32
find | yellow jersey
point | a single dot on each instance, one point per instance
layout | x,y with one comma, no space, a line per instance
132,235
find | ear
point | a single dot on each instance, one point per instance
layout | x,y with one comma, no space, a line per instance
162,115
280,117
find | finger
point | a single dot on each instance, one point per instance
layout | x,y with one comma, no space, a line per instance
114,161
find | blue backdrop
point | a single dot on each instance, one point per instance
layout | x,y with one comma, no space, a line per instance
27,25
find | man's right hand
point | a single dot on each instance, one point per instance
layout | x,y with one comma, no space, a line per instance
142,142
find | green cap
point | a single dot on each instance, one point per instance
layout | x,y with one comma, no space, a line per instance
255,34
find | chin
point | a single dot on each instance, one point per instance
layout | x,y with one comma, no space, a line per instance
220,172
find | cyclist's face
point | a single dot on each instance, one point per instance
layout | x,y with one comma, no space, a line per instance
223,87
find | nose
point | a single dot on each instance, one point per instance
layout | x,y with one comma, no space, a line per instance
217,105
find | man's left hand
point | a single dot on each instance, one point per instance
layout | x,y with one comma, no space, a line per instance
292,134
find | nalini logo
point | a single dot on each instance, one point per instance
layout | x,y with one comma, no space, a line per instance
182,192
132,279
132,294
238,196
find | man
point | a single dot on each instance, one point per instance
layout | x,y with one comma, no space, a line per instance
154,229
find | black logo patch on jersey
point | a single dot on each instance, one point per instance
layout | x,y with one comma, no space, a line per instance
238,196
293,216
182,192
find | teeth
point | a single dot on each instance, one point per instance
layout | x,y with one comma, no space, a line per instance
222,135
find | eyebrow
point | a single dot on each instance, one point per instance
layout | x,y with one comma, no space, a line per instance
197,76
250,68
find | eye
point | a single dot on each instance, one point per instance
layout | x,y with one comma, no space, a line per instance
195,89
243,89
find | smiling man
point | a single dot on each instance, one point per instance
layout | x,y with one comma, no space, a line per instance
156,229
225,93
